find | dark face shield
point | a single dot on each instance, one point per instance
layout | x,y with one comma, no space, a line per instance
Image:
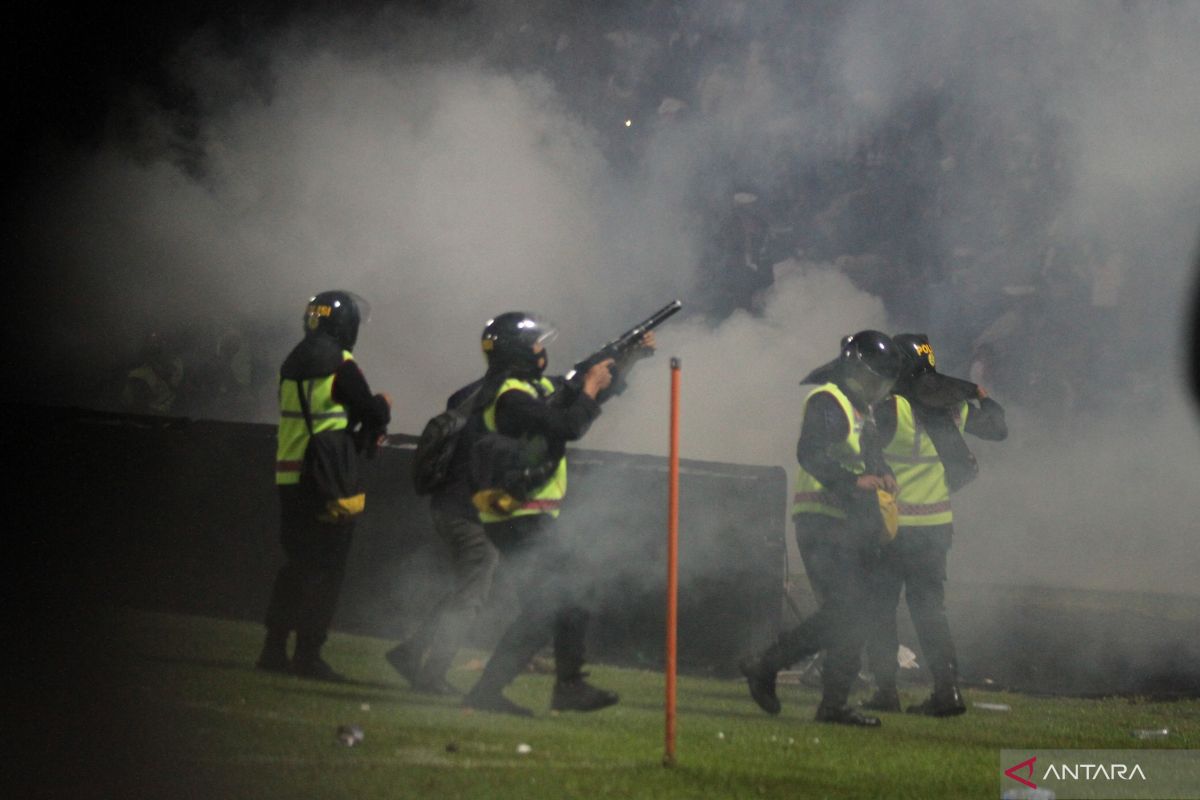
868,386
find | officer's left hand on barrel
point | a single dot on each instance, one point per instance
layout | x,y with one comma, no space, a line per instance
645,347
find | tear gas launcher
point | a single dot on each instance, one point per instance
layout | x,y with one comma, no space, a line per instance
623,350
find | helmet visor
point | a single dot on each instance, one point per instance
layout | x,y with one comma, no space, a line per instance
870,386
537,330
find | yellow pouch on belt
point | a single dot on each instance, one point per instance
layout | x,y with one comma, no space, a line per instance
495,501
343,509
890,513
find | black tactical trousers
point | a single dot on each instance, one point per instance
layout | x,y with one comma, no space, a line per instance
915,562
473,559
838,565
306,589
548,578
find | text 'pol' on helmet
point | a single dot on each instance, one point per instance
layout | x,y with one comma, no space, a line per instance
870,364
508,341
917,352
337,314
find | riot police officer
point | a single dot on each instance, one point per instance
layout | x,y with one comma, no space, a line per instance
524,405
922,424
838,523
320,388
425,657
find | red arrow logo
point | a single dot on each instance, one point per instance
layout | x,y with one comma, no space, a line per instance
1026,765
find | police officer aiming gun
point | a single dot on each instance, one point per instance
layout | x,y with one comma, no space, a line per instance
520,403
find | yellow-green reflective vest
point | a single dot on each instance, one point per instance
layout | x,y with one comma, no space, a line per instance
293,430
549,495
811,496
924,496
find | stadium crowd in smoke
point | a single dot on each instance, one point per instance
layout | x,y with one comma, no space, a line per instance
869,193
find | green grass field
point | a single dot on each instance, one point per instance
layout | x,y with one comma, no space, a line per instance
178,711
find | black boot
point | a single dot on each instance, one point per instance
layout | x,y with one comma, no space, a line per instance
946,701
884,699
489,700
307,661
845,715
576,694
273,657
761,681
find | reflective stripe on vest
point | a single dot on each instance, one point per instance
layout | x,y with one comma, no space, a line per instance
293,430
548,496
924,496
810,496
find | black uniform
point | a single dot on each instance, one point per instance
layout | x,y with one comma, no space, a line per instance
425,657
915,562
838,555
306,589
547,574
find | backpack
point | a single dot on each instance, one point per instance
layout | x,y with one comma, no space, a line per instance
438,443
330,470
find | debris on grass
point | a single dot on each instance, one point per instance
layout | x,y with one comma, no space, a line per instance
451,747
365,706
350,735
524,749
993,706
1152,733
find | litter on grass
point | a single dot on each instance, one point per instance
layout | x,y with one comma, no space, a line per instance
350,735
1152,733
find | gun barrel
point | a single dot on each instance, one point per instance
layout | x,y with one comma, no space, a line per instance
662,315
626,340
650,323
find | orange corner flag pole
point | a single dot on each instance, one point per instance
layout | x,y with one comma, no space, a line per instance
672,562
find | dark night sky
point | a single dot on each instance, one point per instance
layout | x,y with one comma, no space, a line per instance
66,66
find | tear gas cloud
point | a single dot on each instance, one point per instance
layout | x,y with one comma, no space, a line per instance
453,166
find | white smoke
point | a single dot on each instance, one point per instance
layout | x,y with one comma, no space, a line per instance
380,156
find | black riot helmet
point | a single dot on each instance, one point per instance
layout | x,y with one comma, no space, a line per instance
921,382
508,342
337,314
918,353
869,365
